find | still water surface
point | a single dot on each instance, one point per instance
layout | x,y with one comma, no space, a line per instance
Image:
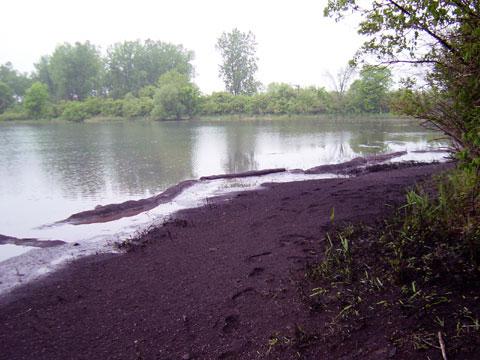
50,171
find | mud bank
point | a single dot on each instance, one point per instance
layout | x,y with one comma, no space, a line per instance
10,240
218,282
111,212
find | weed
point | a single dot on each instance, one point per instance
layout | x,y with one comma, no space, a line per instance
337,262
422,265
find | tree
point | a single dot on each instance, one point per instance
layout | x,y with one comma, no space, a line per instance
370,92
342,79
6,96
176,97
16,81
36,100
132,65
43,75
239,62
442,35
74,71
341,82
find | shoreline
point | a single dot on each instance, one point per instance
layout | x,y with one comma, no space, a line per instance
129,208
50,254
220,118
215,282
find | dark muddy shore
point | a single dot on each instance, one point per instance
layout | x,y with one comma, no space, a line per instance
215,283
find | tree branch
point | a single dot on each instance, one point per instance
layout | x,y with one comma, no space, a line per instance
410,62
423,27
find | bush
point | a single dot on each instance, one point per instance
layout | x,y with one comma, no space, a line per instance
75,111
6,96
92,106
176,97
36,100
112,107
137,107
453,215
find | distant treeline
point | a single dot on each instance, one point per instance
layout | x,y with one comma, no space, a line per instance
154,79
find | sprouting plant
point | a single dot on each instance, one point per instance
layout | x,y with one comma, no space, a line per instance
440,321
318,291
345,245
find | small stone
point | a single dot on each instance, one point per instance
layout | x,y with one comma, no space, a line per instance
186,357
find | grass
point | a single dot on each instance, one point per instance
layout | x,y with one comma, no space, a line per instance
420,270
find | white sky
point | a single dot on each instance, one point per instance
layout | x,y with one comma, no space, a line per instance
296,44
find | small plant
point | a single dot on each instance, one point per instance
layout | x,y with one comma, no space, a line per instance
421,264
336,264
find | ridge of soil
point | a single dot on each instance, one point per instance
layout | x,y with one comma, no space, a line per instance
110,212
217,282
4,239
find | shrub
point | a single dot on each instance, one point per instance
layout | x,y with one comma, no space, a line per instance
75,111
112,107
136,107
36,100
176,97
452,215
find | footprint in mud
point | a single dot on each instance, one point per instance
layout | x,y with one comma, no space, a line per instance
231,323
256,256
243,292
300,259
313,209
256,271
297,239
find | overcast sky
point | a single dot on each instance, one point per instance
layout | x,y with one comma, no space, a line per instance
296,44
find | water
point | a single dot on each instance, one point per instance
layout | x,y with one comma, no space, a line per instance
50,171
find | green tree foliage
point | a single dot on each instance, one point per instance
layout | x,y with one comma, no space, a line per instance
36,100
369,94
279,99
75,111
136,107
72,72
176,97
239,61
17,82
125,84
43,75
445,36
6,96
132,65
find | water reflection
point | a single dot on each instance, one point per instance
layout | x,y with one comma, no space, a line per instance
209,151
52,170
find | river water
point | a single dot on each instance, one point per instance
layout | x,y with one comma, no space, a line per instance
50,171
